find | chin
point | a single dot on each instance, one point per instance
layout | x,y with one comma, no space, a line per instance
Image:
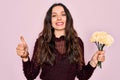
59,29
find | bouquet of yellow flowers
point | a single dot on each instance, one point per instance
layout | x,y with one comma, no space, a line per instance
101,39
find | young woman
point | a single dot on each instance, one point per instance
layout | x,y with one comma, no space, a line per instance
58,51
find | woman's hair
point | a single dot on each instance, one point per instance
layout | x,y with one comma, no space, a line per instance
45,45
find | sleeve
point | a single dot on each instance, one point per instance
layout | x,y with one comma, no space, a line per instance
31,68
87,70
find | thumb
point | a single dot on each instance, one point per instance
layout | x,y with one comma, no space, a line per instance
23,41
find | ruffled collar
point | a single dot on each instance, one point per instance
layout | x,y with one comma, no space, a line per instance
59,39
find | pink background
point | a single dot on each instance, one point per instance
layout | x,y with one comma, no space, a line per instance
25,17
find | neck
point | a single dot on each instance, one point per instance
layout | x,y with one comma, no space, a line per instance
59,33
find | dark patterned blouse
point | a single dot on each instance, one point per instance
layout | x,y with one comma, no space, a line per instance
62,70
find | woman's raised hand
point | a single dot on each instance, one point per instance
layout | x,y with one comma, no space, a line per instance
22,49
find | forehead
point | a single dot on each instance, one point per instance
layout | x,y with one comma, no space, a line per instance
58,9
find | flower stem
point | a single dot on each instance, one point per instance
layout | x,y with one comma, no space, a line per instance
100,48
99,64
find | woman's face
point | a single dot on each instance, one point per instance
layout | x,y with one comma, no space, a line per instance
58,18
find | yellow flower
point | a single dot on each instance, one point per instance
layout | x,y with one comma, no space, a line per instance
109,40
101,39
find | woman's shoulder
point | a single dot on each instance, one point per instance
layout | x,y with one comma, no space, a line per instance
39,39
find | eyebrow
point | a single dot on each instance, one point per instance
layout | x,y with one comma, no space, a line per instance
55,12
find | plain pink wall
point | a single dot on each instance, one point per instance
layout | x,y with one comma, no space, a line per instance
25,17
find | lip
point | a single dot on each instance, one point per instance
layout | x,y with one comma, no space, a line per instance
59,23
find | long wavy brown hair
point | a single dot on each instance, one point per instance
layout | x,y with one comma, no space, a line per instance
44,47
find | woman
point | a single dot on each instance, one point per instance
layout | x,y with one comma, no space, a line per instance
58,51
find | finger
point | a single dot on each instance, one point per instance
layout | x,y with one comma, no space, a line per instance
97,54
20,52
20,47
23,41
101,52
101,58
101,55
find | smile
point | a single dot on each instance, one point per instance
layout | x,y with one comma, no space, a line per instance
60,23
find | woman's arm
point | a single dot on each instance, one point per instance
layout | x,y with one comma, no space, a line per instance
86,71
31,68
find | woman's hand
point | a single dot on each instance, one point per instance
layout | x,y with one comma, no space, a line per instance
22,49
98,56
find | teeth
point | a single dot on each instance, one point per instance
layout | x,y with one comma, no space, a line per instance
59,23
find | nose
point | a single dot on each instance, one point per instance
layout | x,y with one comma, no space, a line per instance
59,17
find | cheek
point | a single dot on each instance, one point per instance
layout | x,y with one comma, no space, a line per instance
53,23
65,19
53,20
